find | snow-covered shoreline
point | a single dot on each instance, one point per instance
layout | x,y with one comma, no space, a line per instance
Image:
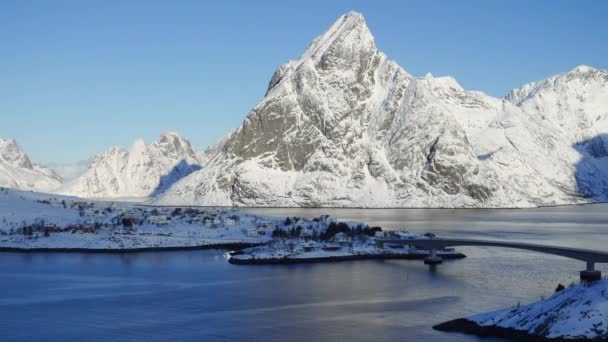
577,313
42,222
296,252
34,222
220,245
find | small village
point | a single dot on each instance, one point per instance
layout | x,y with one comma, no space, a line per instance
74,224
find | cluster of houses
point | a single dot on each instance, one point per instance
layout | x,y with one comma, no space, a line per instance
307,230
206,219
126,220
263,228
214,220
47,229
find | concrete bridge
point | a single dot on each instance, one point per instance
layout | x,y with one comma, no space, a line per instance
590,257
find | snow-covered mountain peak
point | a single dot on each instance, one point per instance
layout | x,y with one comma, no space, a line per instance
446,82
578,81
17,170
12,153
582,69
345,126
575,101
584,74
346,40
174,146
169,136
142,170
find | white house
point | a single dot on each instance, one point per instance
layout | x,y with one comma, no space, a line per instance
257,232
231,220
90,212
208,222
159,219
266,225
342,238
309,246
132,215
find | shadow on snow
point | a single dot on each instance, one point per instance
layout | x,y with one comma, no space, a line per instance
592,170
179,171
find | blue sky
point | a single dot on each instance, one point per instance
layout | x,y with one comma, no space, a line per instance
80,76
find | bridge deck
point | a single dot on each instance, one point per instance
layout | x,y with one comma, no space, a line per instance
586,255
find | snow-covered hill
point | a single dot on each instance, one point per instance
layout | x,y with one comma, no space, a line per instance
142,170
18,172
578,313
345,126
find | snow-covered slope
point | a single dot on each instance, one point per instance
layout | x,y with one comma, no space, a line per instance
142,170
345,126
574,105
576,313
212,150
18,172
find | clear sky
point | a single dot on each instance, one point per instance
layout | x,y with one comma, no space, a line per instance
79,76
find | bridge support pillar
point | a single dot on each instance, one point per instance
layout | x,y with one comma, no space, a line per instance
590,274
433,259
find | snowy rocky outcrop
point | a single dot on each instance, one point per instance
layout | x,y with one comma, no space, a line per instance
345,126
212,150
18,172
140,171
578,313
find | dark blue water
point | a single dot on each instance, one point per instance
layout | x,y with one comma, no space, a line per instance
198,296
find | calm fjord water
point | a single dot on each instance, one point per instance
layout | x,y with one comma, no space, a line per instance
198,296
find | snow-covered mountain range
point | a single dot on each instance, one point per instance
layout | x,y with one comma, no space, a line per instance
140,171
18,172
345,126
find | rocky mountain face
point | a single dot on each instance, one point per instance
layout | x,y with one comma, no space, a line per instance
345,126
142,170
18,172
212,150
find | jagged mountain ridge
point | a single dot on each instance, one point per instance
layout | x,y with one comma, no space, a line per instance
18,172
140,171
345,126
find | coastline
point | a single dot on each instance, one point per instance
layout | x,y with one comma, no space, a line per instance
223,246
465,326
339,258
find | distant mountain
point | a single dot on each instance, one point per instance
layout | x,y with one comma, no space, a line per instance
142,170
345,126
18,172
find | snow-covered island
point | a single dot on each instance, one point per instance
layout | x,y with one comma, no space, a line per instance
577,313
338,242
32,221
